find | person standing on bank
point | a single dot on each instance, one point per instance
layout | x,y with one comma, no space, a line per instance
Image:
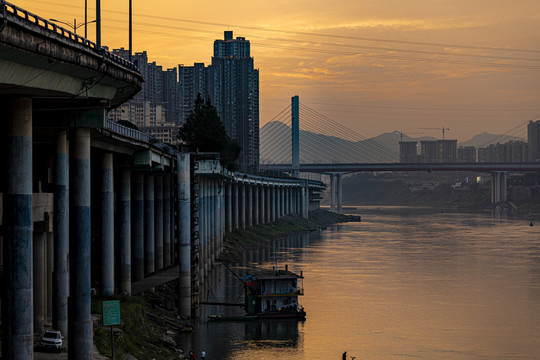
344,356
203,355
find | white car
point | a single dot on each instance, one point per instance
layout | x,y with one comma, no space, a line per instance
52,339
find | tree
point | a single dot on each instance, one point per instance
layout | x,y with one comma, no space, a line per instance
203,131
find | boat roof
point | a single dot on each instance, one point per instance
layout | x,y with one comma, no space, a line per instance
272,274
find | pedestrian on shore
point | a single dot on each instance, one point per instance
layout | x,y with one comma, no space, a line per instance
191,355
344,356
203,355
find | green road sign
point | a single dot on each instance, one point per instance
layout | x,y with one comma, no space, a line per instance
111,312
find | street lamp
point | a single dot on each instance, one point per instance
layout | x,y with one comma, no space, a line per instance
74,26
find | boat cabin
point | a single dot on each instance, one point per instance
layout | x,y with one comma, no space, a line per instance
274,294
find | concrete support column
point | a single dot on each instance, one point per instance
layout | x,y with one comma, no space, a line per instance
158,225
138,227
167,249
217,222
281,201
305,201
107,225
61,236
204,227
213,228
249,211
272,203
502,186
124,231
242,205
332,192
80,322
39,266
235,206
256,204
339,194
184,243
268,193
18,339
50,269
149,225
228,200
262,205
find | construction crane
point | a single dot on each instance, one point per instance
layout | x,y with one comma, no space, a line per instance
400,133
443,130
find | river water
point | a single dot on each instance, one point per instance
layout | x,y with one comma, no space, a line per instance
405,283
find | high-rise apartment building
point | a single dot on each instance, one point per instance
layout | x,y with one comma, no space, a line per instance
155,109
232,83
533,139
192,80
234,89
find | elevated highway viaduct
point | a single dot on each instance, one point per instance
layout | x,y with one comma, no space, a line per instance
89,204
498,172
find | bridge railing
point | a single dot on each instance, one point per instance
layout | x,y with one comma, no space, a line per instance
54,28
138,135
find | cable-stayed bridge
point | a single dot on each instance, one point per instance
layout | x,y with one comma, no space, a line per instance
325,146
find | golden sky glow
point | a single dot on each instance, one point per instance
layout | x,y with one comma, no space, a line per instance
373,66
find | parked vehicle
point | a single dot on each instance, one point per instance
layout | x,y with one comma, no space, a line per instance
52,339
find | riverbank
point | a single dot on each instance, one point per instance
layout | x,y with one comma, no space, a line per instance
258,235
149,323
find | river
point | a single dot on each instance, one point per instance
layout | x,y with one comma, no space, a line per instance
405,283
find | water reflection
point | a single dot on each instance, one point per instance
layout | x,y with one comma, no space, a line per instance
403,283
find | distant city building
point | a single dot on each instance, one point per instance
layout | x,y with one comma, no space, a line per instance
155,109
232,83
533,138
192,80
510,152
167,96
408,151
428,150
447,151
234,89
466,154
438,151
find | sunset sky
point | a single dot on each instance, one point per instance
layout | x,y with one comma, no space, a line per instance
372,65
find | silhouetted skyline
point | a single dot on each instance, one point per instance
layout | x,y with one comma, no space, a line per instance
375,67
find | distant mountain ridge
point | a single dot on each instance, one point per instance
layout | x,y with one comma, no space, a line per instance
275,146
484,139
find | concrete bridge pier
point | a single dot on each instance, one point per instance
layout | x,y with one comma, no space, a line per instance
138,225
80,322
203,224
213,222
158,226
18,339
124,231
228,200
235,206
184,242
242,205
39,271
333,192
167,249
262,205
268,193
249,201
149,225
305,201
256,204
61,235
498,187
339,194
107,225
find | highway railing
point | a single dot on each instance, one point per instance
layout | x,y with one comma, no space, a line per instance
8,9
138,135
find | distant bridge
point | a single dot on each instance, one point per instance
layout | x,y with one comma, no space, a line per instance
429,167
